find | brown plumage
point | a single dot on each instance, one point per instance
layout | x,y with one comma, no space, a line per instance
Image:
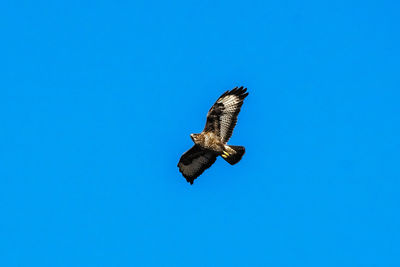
212,141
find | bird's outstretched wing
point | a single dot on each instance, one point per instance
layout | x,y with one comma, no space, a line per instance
222,117
195,161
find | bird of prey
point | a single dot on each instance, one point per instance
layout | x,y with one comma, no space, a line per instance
212,141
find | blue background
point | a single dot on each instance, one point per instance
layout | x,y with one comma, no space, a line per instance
98,100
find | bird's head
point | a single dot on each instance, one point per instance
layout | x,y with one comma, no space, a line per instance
194,137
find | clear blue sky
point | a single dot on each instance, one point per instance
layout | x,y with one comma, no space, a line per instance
98,99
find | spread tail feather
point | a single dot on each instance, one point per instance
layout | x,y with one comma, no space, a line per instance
234,154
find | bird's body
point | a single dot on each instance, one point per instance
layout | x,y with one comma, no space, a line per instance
212,141
208,140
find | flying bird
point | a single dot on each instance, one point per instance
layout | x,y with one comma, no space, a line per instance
212,141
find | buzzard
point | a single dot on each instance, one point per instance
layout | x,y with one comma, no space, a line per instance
212,141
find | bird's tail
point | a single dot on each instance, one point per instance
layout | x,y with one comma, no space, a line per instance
233,154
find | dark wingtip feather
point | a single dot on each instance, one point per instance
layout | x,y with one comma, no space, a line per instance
224,94
234,90
241,92
237,90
